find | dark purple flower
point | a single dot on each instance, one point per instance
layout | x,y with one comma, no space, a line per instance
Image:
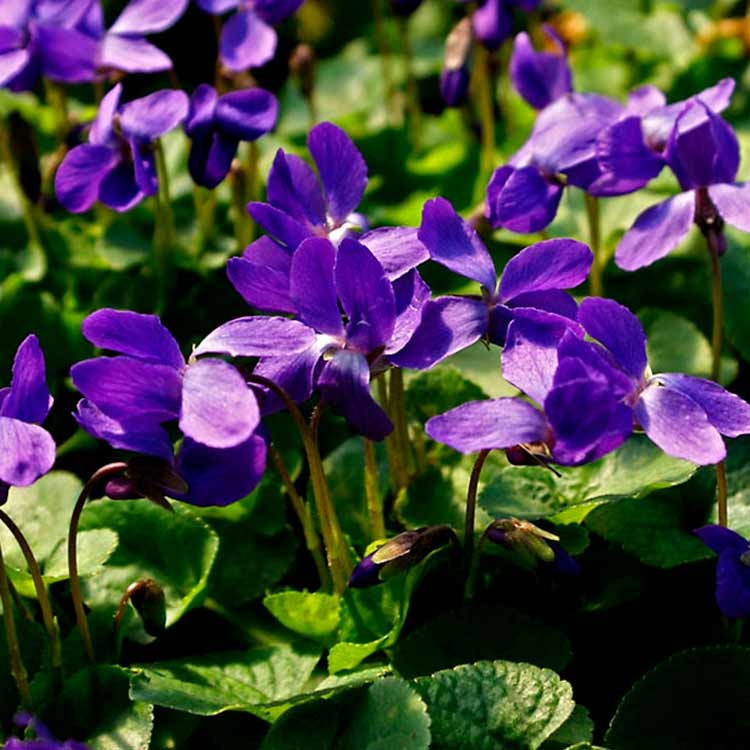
540,77
248,39
705,159
26,450
454,77
44,739
216,125
732,569
117,166
535,278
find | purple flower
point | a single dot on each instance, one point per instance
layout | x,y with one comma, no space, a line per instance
45,38
535,278
216,125
540,77
454,77
117,166
493,20
26,450
44,739
248,39
705,159
732,570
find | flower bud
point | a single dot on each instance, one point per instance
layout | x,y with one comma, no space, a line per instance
454,78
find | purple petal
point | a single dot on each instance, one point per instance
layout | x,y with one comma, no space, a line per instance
246,42
411,296
366,296
64,13
282,227
79,177
294,188
247,114
550,300
679,426
125,388
448,325
101,132
132,55
733,585
656,232
539,77
135,434
26,452
493,23
721,539
144,167
12,62
345,384
398,249
644,99
200,116
312,287
733,203
15,14
153,115
529,359
211,158
217,7
119,189
218,408
551,264
220,476
141,336
483,425
275,11
619,330
148,16
727,412
28,397
454,244
261,276
342,169
257,336
454,86
67,55
522,200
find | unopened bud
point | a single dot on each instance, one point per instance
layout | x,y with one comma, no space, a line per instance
302,65
147,597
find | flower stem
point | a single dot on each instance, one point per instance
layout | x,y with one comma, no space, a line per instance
42,594
164,230
75,584
374,504
412,89
17,667
312,540
339,562
471,578
397,404
596,282
721,493
395,457
486,105
205,211
471,503
57,99
718,318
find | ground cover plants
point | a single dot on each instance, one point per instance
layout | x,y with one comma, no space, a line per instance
377,374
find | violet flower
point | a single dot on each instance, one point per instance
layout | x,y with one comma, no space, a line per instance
44,739
117,166
535,278
540,77
454,77
248,39
732,569
26,450
216,125
493,20
705,160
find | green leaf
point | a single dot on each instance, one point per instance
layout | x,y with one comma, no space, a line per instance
634,470
695,700
389,715
735,276
576,731
175,549
311,726
438,390
258,681
496,633
495,705
314,615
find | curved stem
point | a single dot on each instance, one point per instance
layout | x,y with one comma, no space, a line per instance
42,594
471,502
75,583
718,319
596,280
17,666
721,493
486,104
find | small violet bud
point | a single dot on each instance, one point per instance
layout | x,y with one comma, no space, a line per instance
454,78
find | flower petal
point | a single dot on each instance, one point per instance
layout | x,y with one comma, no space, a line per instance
67,55
261,276
345,384
247,114
211,158
294,188
218,408
26,452
119,189
398,249
12,62
679,426
151,116
483,425
257,336
246,42
454,244
28,397
101,132
200,117
720,539
733,586
132,55
733,203
539,77
81,174
656,232
411,295
275,11
285,229
148,16
342,169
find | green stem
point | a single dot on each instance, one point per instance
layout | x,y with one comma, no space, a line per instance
374,504
412,88
596,282
471,579
486,106
312,540
42,594
339,561
205,212
386,68
471,503
17,666
164,229
75,582
718,317
397,404
58,101
396,466
721,493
